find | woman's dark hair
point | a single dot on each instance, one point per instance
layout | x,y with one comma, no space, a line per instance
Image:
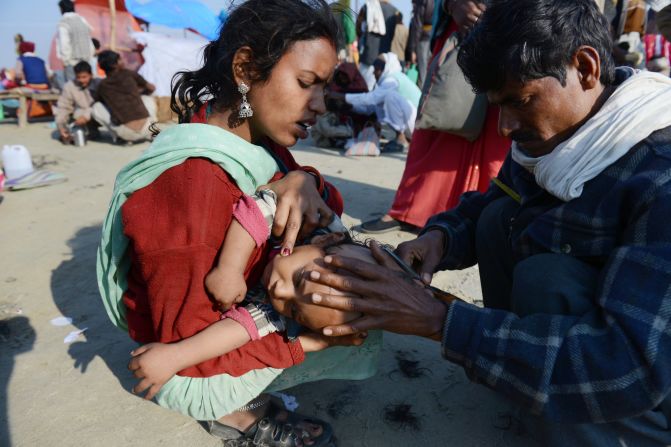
269,28
533,39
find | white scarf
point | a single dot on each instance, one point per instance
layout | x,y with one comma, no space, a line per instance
637,108
375,18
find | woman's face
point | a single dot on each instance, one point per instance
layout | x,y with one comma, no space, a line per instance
288,285
290,100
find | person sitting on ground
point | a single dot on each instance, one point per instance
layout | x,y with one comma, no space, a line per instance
74,104
123,104
394,101
31,71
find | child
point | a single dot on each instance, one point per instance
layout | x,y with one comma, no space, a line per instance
156,363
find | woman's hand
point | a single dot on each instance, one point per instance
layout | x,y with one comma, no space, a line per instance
390,300
424,253
154,364
300,209
465,13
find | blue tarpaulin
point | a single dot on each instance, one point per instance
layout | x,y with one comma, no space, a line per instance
178,14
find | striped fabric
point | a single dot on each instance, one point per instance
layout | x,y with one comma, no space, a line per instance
613,362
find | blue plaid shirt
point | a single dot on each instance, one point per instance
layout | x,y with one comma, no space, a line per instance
613,362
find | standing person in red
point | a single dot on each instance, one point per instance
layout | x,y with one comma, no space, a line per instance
441,166
261,86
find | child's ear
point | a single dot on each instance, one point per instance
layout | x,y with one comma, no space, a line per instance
327,240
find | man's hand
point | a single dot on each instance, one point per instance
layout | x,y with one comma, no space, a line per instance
65,136
390,299
466,13
300,209
424,253
81,121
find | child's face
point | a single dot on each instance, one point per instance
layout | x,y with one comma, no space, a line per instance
288,285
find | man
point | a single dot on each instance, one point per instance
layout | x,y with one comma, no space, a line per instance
74,104
123,105
572,239
375,26
418,49
73,41
400,41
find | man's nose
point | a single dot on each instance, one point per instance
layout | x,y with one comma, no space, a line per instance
508,123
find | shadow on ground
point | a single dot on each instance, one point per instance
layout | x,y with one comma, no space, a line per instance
75,291
16,337
359,196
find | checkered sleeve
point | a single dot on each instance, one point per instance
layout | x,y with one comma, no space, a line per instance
459,224
611,363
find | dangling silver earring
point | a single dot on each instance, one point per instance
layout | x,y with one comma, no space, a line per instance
245,107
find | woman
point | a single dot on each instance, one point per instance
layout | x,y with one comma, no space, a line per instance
441,166
260,88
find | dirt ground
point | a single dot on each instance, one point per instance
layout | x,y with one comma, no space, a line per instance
58,394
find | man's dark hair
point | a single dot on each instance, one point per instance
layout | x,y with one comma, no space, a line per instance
399,17
96,43
82,66
533,39
270,28
108,60
66,6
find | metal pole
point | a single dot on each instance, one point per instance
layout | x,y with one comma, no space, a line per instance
112,6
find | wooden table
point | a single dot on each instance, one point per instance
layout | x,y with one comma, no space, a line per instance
23,96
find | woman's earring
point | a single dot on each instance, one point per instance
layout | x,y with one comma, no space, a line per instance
245,107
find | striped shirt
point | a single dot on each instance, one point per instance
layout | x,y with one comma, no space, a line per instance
613,362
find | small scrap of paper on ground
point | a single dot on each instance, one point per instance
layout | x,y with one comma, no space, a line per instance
61,321
74,335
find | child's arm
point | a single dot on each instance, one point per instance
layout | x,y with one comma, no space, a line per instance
156,363
226,282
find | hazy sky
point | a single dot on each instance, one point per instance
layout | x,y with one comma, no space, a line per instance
37,19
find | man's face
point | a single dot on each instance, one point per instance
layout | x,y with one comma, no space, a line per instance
84,78
539,114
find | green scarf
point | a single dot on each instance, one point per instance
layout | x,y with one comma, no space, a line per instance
249,165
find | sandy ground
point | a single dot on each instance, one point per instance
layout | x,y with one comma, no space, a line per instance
58,394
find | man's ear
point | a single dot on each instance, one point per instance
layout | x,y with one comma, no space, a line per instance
327,240
588,64
242,65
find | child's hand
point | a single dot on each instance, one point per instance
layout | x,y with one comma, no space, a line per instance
226,285
154,364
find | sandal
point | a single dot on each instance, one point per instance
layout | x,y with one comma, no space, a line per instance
270,431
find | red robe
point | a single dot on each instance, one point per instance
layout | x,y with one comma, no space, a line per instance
442,166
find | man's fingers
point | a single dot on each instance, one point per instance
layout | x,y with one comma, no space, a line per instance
133,364
138,374
362,324
347,303
360,268
343,283
383,258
